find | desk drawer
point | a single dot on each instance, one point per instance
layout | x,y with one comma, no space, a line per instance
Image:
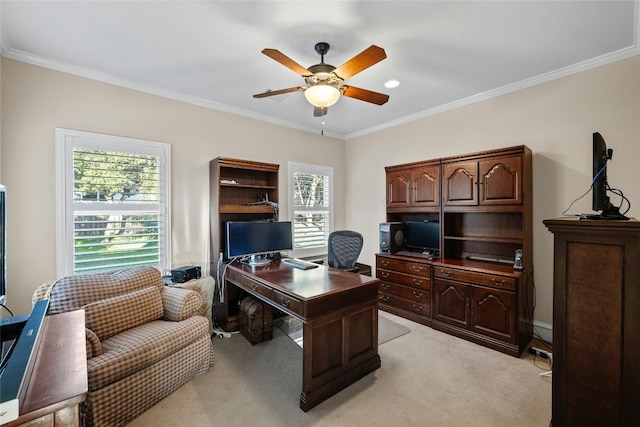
287,302
406,292
251,285
409,267
495,281
404,279
421,308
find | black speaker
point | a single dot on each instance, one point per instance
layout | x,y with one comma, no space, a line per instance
391,237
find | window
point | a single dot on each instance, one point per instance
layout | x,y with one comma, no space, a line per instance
310,207
113,203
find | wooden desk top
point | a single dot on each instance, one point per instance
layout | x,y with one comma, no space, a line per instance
320,290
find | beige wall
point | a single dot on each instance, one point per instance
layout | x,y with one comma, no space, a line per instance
37,100
556,120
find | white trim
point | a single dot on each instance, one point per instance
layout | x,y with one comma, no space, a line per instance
66,139
18,55
494,93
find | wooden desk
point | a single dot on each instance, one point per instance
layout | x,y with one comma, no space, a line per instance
339,311
58,382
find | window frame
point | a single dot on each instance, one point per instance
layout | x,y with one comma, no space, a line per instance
66,141
292,168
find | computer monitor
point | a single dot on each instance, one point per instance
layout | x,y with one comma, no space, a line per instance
253,240
599,185
422,236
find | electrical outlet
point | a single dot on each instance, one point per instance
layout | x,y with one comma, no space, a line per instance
541,353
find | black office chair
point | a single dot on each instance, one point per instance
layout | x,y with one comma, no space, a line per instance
344,249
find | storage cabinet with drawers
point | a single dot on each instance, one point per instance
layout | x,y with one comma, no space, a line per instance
483,202
405,287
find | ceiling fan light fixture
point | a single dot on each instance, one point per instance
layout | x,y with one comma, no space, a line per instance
322,95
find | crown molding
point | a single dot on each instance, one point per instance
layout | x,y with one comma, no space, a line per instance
7,52
21,56
599,61
514,87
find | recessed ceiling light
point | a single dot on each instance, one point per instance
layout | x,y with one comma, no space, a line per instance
391,84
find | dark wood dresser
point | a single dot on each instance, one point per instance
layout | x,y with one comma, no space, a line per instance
596,322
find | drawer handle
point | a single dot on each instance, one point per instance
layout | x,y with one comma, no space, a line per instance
254,286
418,295
498,283
417,308
384,275
445,273
285,303
384,263
417,268
384,298
417,282
384,286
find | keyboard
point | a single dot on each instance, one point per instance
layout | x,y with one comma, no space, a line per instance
298,263
416,254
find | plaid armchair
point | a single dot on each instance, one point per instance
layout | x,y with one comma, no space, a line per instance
144,340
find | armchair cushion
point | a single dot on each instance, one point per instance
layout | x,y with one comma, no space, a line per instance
111,316
137,348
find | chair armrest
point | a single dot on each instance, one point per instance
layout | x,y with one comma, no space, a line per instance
94,346
180,304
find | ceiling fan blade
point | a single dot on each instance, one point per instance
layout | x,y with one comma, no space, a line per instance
364,95
287,62
365,59
319,111
279,92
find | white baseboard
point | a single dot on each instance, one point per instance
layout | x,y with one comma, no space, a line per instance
544,330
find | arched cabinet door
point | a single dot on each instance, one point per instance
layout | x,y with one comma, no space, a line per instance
451,302
501,181
398,186
425,186
460,183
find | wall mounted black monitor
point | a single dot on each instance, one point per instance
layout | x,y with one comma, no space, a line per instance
422,236
251,239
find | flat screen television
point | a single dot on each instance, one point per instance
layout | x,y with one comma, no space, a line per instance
599,185
3,244
254,240
422,236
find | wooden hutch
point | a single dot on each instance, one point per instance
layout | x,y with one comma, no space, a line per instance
238,190
483,202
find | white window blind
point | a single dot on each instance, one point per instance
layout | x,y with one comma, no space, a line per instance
311,207
115,197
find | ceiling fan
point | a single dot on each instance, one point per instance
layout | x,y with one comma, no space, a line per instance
324,81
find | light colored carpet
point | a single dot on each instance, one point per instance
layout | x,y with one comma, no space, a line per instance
427,378
387,329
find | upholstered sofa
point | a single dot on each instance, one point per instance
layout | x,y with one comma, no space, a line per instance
144,339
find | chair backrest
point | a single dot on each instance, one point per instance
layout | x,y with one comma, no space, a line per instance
344,249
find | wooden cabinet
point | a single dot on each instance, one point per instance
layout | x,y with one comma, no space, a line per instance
405,287
496,180
484,307
239,191
596,322
487,206
483,202
414,185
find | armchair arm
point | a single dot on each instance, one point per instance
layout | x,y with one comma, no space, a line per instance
180,304
94,347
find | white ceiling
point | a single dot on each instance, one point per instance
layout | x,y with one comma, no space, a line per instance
444,53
